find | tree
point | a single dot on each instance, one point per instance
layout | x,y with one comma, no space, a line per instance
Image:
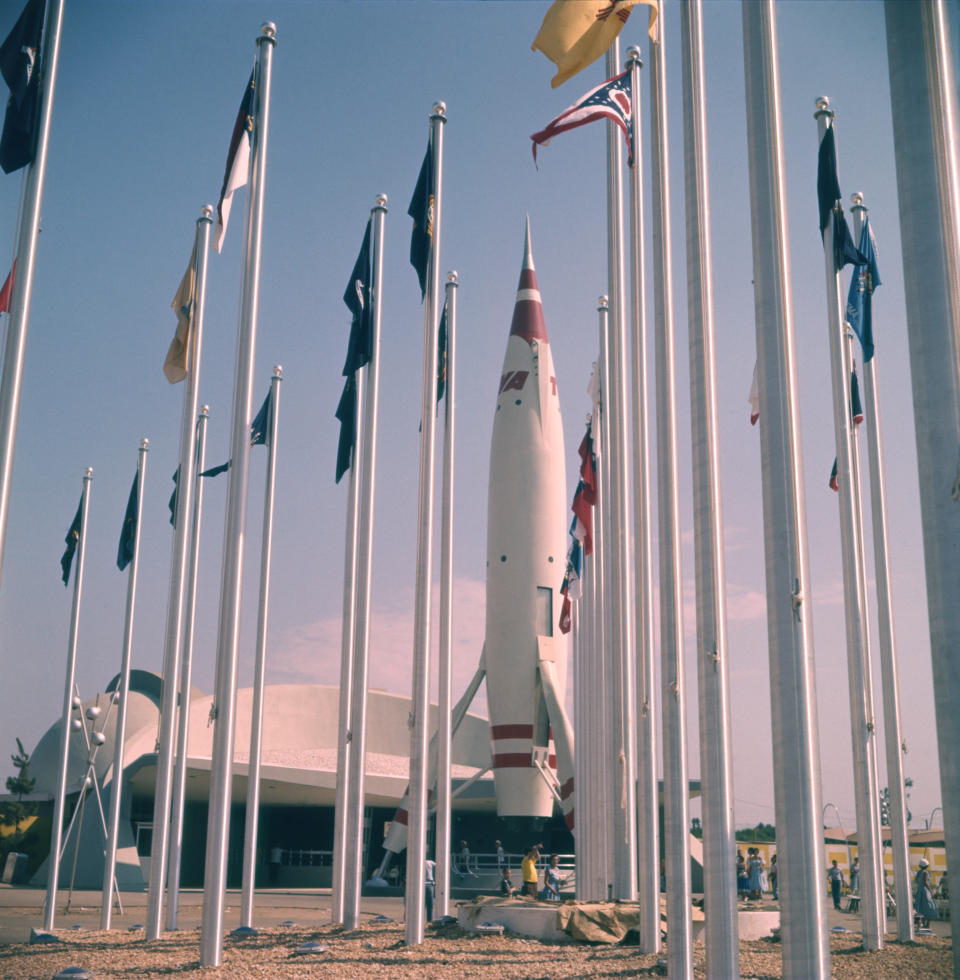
22,784
696,828
762,832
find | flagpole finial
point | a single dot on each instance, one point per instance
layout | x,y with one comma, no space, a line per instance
856,201
206,213
144,443
453,277
205,411
823,107
633,56
381,204
603,302
268,31
88,472
439,111
278,371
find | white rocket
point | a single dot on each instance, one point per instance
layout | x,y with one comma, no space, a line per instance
524,655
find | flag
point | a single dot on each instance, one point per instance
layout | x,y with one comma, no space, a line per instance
217,470
442,355
593,390
260,426
609,100
570,587
19,57
574,33
346,413
583,529
588,472
834,484
856,409
6,291
176,366
128,533
357,297
421,209
754,397
828,201
238,161
865,279
73,536
565,610
172,503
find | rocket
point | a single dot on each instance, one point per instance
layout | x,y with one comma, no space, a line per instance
524,658
525,655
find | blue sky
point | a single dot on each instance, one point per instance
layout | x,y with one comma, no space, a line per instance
145,102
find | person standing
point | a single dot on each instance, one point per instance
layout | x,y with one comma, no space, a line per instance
855,876
923,901
501,857
506,883
774,874
429,887
835,877
551,881
528,871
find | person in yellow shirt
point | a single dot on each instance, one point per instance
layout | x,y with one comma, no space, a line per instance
528,870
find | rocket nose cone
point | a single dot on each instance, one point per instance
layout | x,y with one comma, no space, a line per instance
528,319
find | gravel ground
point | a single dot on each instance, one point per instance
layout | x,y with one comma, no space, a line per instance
377,950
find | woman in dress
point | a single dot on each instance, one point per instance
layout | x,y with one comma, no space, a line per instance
757,874
551,881
923,901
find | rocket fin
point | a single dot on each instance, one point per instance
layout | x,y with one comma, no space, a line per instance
396,839
560,725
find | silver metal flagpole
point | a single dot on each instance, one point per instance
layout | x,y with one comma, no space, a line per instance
445,699
123,690
605,750
796,750
344,864
178,576
221,765
716,764
620,586
648,805
354,865
676,830
11,379
878,909
419,705
186,677
858,646
252,821
889,672
59,801
926,136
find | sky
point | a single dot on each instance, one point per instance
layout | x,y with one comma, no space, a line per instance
145,102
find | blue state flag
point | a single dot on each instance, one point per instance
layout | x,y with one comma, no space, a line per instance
20,67
421,209
72,539
260,426
865,278
357,297
128,533
346,413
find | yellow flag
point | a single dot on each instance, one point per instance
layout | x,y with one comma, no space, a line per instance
177,365
577,32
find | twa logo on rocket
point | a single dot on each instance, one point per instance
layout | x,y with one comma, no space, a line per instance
525,656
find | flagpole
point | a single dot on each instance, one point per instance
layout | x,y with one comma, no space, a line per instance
445,699
676,820
11,378
796,749
353,882
889,670
186,676
59,801
419,705
858,645
178,574
924,104
344,864
605,750
221,765
251,824
123,689
621,583
716,764
648,876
